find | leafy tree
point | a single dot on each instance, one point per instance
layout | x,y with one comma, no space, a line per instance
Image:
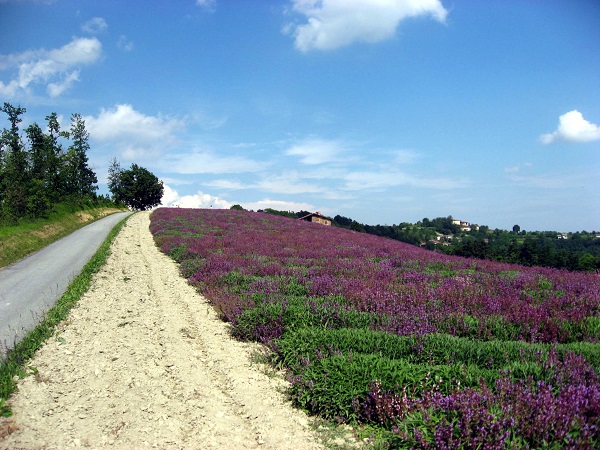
276,212
471,248
237,207
137,188
588,262
516,228
356,226
341,221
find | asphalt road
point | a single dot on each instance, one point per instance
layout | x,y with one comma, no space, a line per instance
31,286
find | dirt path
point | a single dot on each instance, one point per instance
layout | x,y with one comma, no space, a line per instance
143,361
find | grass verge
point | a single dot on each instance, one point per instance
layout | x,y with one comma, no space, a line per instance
13,366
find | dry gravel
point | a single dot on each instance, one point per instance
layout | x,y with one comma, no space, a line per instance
143,361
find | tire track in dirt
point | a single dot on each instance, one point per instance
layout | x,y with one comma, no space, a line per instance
144,361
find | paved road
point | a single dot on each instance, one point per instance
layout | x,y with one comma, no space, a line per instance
31,286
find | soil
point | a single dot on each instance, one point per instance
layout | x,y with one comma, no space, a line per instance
143,361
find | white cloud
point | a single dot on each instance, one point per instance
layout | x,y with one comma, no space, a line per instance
316,151
404,157
209,5
517,168
136,135
381,180
94,25
198,200
335,23
170,196
123,43
572,127
77,52
56,89
58,68
226,184
547,181
280,205
288,183
206,161
10,89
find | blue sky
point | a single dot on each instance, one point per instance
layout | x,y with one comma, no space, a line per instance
385,111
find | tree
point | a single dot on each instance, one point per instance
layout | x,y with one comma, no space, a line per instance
516,229
55,156
14,167
39,162
81,179
237,207
138,188
114,180
588,262
341,221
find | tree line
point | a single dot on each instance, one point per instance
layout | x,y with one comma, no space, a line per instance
42,167
580,251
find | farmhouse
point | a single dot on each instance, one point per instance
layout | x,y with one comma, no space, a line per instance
465,226
317,218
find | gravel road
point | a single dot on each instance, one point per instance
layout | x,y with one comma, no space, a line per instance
144,362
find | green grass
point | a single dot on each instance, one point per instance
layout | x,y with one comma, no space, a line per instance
14,365
18,241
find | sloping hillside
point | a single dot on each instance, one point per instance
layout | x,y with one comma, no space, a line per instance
431,350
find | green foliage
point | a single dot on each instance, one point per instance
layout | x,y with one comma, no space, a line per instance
336,382
178,253
137,187
81,180
335,367
36,173
275,212
436,349
591,326
296,315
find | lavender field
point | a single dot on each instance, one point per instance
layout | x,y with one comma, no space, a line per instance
420,349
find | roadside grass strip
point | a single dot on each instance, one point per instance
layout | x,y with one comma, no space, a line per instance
14,365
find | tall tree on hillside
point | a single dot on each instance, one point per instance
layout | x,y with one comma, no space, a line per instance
13,167
138,188
38,201
114,180
81,179
54,156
